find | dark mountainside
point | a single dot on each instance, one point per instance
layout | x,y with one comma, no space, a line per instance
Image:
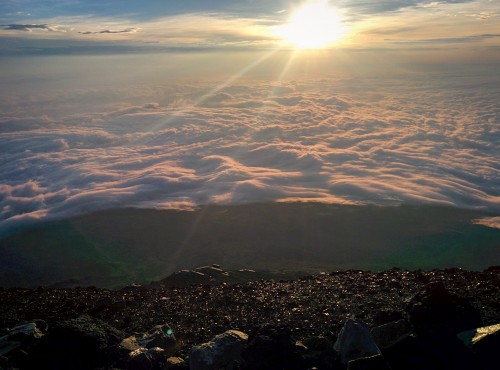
269,308
119,247
397,319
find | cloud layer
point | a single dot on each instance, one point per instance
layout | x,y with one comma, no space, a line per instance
417,139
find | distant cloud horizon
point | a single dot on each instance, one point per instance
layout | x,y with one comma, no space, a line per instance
93,140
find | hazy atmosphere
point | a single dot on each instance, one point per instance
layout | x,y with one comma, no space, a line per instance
159,104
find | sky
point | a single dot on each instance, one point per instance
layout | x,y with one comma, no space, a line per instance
174,104
111,26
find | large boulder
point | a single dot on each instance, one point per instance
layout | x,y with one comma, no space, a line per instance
434,311
271,348
147,359
82,343
440,353
355,341
319,353
220,353
20,345
22,334
389,334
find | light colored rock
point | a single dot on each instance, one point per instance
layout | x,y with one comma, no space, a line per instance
174,363
20,334
389,334
160,336
146,359
30,329
471,337
219,353
355,341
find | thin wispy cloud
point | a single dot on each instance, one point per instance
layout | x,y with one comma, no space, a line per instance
29,27
109,31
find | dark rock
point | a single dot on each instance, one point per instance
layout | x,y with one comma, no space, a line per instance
421,278
384,317
221,352
4,362
410,354
320,353
440,353
434,311
376,362
271,348
389,334
81,343
206,275
355,341
147,359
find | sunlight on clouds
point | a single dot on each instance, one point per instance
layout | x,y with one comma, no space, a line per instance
114,141
493,222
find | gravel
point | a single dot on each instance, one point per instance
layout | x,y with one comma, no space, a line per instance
309,306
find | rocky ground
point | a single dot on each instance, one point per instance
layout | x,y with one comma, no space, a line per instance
304,309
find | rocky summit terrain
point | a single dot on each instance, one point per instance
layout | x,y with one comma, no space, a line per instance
216,319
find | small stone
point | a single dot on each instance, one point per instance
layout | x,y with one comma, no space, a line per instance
175,363
160,336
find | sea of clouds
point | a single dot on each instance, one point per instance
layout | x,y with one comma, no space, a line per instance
420,139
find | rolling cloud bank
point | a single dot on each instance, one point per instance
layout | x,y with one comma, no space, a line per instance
417,138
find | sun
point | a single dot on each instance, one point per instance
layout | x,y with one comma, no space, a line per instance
314,25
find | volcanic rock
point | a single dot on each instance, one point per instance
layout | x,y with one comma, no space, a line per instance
390,333
22,334
176,363
271,348
147,359
434,311
160,336
376,362
355,341
319,353
484,343
221,352
82,343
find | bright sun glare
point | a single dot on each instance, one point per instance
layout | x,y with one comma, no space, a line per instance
312,26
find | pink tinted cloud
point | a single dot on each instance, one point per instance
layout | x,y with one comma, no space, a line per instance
310,140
